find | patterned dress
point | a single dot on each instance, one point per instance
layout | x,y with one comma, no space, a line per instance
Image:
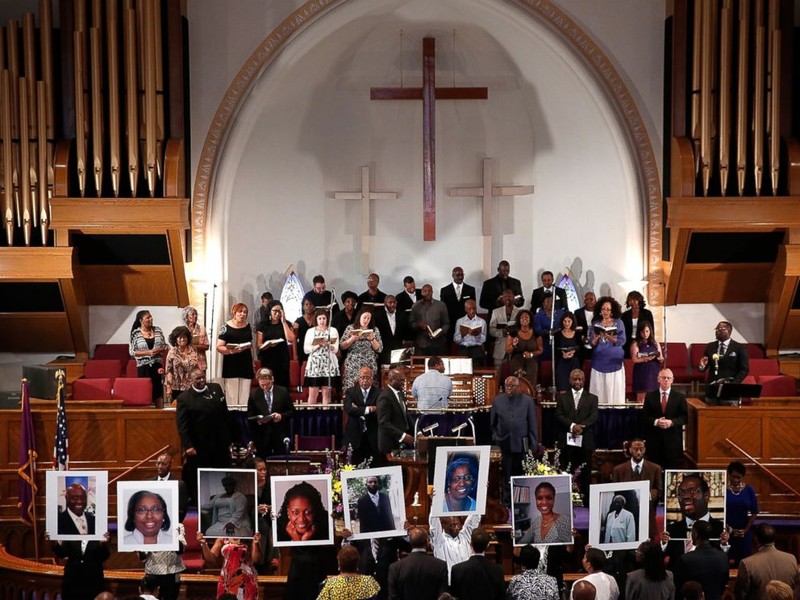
322,362
349,587
361,354
237,576
179,367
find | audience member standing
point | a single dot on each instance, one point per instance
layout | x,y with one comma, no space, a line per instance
361,406
433,388
639,469
705,564
605,585
418,576
450,538
430,322
269,407
394,423
477,578
652,581
469,333
576,415
532,584
83,572
741,509
548,289
767,564
455,294
392,331
372,297
502,321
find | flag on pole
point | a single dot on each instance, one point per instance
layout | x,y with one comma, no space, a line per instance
27,460
573,302
61,448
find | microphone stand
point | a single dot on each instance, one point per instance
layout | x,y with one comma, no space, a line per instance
552,342
328,349
211,324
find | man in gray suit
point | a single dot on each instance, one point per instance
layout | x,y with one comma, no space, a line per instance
514,429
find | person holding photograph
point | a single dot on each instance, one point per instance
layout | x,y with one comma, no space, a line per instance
148,521
547,526
75,520
237,575
450,537
302,517
349,584
374,508
461,483
594,560
229,512
620,524
83,572
705,564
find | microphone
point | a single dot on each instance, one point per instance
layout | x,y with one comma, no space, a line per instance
457,430
715,358
429,429
286,442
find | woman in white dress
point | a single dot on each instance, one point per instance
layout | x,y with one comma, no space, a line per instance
322,369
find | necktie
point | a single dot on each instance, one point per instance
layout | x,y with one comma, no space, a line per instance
577,399
374,545
637,470
268,397
458,291
721,349
82,527
365,392
664,402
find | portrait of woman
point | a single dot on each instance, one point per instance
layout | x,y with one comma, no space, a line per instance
620,523
461,484
147,516
228,512
620,515
303,516
547,525
148,520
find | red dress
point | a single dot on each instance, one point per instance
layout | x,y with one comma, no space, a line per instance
237,573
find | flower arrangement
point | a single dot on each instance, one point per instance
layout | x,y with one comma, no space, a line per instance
335,464
538,463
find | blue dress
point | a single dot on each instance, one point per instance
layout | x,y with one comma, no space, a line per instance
645,374
738,508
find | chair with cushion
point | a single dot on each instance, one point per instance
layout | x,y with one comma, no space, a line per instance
91,389
677,360
192,553
119,352
103,367
130,369
134,391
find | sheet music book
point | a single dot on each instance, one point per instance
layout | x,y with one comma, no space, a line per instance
272,342
242,345
611,330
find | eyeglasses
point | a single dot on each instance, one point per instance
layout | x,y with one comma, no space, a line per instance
694,492
465,478
156,511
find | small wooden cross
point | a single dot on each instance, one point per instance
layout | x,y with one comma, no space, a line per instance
365,195
488,193
429,93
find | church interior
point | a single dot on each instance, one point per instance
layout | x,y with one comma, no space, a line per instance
156,154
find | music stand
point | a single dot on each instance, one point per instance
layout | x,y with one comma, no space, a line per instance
734,392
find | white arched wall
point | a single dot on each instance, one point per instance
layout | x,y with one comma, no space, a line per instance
308,125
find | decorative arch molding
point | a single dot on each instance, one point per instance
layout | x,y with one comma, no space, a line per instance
545,12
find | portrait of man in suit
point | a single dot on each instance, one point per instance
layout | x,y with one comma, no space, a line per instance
75,520
374,508
693,496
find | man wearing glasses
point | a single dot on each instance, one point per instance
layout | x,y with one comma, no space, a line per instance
664,414
693,496
726,362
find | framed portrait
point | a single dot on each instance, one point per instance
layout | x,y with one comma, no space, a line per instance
147,515
302,509
694,494
460,480
619,518
374,502
226,502
77,505
541,507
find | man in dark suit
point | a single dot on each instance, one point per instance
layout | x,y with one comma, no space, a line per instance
392,329
83,572
664,414
639,469
514,429
766,565
377,555
477,578
419,576
361,406
726,360
705,564
269,409
454,295
406,299
394,424
693,498
202,416
576,414
164,473
372,296
548,289
583,320
75,520
492,290
375,508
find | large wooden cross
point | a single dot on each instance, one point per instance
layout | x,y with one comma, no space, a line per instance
488,193
429,93
365,195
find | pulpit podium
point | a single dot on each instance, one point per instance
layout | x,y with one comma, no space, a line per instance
731,394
